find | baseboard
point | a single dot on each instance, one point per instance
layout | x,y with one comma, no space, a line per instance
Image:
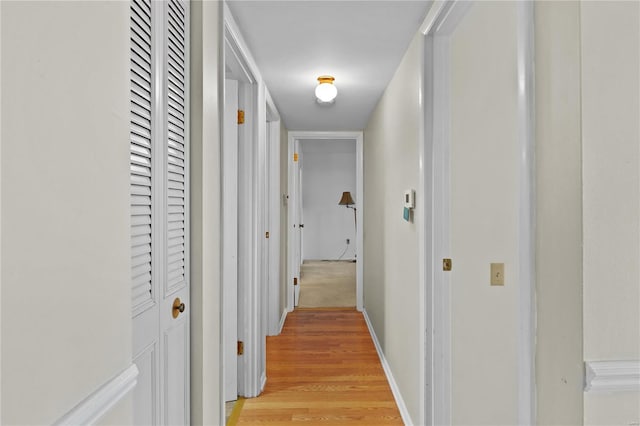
263,381
612,376
406,418
283,318
96,405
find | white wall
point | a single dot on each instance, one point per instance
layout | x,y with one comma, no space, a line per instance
328,170
206,396
66,302
391,288
611,196
559,367
587,94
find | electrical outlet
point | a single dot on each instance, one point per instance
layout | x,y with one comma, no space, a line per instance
348,241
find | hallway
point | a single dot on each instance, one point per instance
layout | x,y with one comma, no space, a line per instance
323,369
153,227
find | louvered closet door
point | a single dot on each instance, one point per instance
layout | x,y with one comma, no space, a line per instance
159,197
144,241
175,331
141,168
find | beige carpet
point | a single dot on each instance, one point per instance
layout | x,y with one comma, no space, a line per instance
327,284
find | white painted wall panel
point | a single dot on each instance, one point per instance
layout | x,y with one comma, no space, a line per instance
611,196
611,151
328,170
66,293
120,411
559,367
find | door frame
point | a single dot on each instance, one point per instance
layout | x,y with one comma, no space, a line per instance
251,365
433,191
272,299
229,232
295,216
294,136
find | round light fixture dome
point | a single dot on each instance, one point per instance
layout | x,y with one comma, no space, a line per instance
326,91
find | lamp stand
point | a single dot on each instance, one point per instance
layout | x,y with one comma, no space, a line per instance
355,217
355,221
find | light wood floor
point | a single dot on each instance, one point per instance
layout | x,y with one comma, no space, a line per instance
323,369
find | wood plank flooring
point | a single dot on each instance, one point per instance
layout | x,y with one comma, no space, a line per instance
323,369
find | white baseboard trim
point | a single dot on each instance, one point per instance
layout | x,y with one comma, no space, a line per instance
612,376
96,405
406,418
282,320
263,381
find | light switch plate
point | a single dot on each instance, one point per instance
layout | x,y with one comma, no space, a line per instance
497,274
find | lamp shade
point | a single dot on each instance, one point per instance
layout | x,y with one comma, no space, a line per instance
346,199
326,92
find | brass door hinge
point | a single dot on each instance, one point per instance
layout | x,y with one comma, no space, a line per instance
295,281
240,348
240,116
266,234
295,157
446,264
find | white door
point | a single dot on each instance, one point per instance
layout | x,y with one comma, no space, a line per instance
264,198
274,200
159,211
300,242
297,220
479,130
230,239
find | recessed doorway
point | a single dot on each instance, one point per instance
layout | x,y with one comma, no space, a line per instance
325,228
328,190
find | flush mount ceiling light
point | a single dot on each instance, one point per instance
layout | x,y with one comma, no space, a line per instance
326,91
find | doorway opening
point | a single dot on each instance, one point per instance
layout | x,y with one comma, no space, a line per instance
325,231
328,223
250,224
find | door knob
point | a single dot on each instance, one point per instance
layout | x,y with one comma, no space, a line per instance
178,307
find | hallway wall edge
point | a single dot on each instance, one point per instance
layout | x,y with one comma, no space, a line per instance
402,407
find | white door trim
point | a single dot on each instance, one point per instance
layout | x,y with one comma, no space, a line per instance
526,216
229,240
434,155
358,137
433,244
250,327
273,156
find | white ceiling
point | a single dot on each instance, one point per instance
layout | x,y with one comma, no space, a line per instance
359,42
